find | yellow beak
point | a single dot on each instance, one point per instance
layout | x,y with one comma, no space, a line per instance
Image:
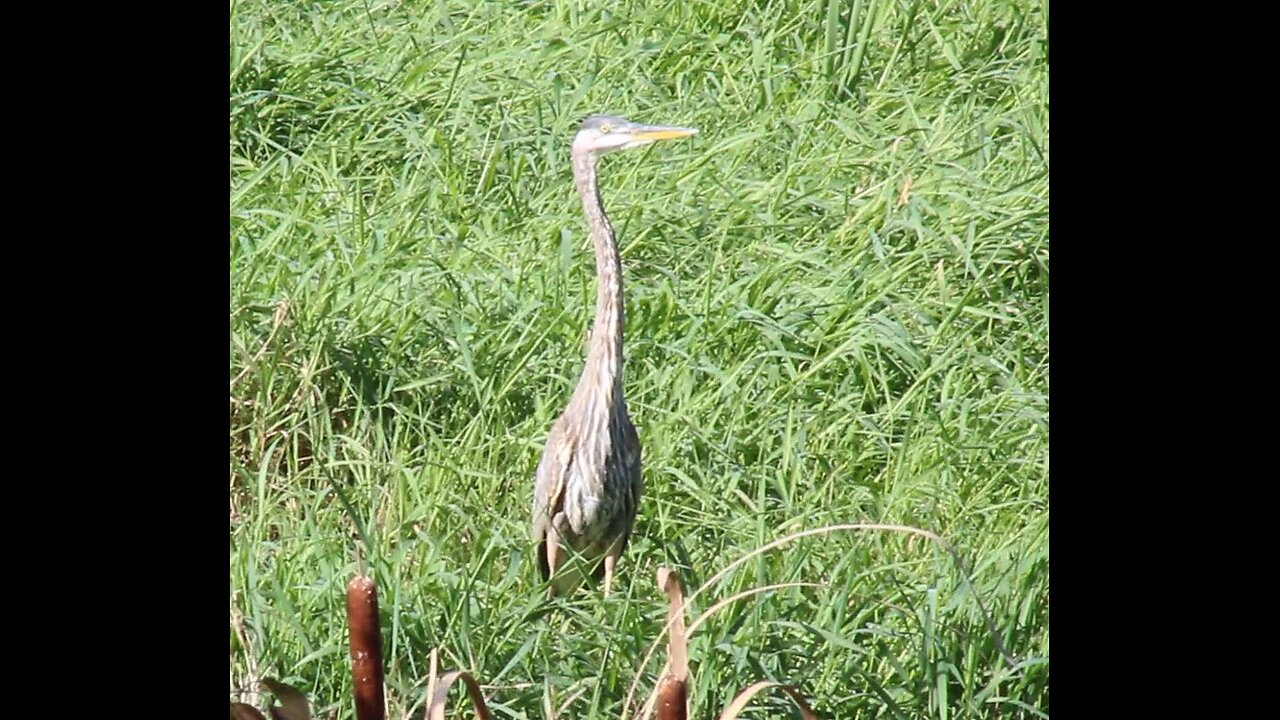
660,132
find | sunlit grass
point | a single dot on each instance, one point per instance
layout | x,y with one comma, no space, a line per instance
837,312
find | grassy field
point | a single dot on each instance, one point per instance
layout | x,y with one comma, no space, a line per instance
837,312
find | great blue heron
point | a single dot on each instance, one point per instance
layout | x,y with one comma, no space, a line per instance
588,480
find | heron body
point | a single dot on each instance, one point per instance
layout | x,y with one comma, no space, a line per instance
588,481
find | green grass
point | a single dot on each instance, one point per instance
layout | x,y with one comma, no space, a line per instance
837,313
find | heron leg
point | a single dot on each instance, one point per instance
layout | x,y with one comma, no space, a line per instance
553,551
560,528
611,556
609,561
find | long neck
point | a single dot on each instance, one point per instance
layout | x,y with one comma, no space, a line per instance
603,369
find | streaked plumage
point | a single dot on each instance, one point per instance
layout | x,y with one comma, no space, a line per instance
588,483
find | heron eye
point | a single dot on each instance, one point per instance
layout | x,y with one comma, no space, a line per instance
605,128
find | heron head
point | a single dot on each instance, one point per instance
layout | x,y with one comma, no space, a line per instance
605,133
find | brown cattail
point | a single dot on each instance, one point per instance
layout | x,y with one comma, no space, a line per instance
673,689
673,699
366,648
241,711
